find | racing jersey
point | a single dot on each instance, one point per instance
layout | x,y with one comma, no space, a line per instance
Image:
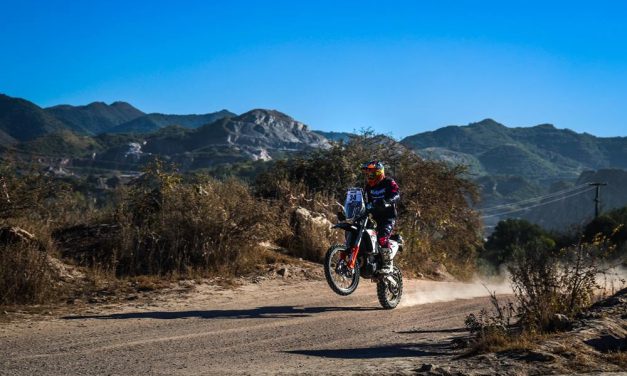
387,190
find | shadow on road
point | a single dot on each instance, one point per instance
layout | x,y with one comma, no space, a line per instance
418,331
403,350
270,312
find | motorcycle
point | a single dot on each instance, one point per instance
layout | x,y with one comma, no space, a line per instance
360,255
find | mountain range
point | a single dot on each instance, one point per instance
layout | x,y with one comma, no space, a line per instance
539,153
21,120
508,164
153,122
96,117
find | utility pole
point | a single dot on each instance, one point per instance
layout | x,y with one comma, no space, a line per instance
597,197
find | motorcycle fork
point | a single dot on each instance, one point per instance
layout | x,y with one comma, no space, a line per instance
355,247
353,257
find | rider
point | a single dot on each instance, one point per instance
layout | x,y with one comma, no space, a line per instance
383,193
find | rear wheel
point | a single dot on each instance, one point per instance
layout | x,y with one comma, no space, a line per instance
389,291
339,276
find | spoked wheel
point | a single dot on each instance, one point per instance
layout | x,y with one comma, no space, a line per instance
339,276
390,289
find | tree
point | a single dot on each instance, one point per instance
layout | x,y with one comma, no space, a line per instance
611,226
510,236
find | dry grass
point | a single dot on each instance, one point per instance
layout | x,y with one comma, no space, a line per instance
189,228
158,228
25,275
309,241
498,341
617,357
148,283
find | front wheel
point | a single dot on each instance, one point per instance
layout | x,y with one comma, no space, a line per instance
342,280
390,289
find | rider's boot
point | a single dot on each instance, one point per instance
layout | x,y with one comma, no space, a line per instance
387,264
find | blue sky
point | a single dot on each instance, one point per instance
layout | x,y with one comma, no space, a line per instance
400,67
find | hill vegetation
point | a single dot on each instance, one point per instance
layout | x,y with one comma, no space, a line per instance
526,164
537,153
96,117
63,144
21,120
153,122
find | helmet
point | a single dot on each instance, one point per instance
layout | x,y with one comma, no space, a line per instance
374,171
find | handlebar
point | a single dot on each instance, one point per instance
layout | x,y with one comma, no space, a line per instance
369,209
370,206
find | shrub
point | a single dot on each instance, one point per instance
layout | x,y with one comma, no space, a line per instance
25,275
206,225
612,226
435,216
32,196
31,201
550,287
499,319
307,215
547,282
492,329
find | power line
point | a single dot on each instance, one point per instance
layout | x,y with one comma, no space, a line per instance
537,205
597,197
538,198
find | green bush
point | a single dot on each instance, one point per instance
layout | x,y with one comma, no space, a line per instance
511,236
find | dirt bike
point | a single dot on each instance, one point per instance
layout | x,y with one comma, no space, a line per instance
361,254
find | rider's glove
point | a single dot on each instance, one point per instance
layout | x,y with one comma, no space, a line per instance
380,204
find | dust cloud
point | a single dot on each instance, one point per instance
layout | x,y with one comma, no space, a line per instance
613,279
609,282
432,292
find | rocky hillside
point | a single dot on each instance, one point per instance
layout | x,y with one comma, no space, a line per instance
260,128
255,135
96,117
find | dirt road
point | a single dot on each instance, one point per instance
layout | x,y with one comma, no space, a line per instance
270,327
